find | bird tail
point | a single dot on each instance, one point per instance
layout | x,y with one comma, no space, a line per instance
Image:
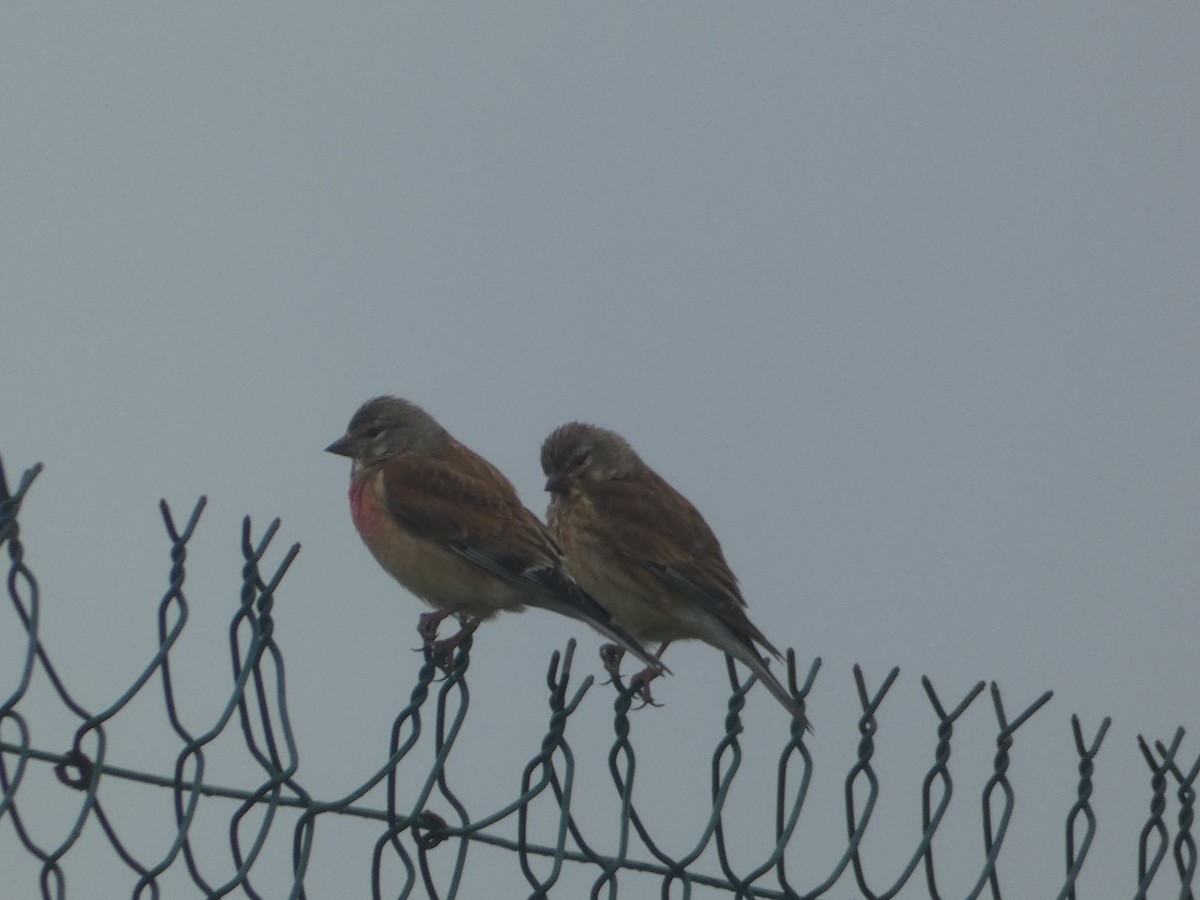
772,684
745,652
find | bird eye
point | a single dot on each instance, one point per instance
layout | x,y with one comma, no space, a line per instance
580,458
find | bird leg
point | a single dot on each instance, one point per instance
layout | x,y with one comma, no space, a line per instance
641,681
445,647
611,656
427,625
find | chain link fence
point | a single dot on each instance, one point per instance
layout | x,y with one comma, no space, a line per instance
418,851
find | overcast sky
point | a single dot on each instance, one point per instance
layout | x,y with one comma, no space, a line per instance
902,296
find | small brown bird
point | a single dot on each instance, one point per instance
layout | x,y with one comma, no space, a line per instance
449,527
645,553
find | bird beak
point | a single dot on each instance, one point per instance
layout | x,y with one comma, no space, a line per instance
557,484
343,446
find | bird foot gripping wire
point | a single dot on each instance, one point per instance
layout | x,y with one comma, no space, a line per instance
443,650
611,656
641,684
427,627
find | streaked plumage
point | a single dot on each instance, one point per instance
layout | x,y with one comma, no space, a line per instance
645,552
448,526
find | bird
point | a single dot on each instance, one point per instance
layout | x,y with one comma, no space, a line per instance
447,525
646,553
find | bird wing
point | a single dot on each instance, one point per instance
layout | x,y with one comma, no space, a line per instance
466,505
653,525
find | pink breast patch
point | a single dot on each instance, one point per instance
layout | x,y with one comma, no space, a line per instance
369,516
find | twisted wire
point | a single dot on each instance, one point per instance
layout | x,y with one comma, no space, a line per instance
432,820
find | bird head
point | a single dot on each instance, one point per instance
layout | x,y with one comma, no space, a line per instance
386,427
577,454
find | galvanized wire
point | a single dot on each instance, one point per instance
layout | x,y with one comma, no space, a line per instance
411,835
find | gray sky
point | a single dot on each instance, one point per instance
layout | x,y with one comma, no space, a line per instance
902,296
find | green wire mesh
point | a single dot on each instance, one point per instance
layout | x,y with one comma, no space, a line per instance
411,835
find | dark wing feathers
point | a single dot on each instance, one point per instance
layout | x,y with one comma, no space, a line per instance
468,506
659,529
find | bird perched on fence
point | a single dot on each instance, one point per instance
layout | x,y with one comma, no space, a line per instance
645,553
447,525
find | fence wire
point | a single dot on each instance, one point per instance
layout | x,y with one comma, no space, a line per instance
412,835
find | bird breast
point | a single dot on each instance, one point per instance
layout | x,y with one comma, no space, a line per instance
434,573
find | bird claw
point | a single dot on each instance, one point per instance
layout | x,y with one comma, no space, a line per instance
611,656
442,651
427,626
641,685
